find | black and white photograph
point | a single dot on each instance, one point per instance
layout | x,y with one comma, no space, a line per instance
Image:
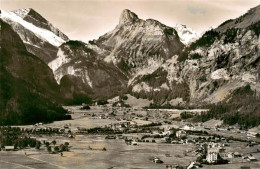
129,84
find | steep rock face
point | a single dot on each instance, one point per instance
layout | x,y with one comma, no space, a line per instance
106,66
224,59
38,35
28,90
101,80
160,88
225,65
137,44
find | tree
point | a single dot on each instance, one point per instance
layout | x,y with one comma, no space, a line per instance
124,97
48,148
56,148
54,142
15,146
186,115
32,142
221,160
66,148
38,145
102,102
66,143
62,147
47,144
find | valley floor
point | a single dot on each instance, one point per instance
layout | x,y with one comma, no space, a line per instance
87,150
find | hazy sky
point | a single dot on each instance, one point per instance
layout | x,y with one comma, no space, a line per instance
88,19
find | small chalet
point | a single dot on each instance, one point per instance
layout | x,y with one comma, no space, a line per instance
9,148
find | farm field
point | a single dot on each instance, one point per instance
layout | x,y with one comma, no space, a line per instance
117,155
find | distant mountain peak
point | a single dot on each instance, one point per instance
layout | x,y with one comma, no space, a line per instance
127,16
186,34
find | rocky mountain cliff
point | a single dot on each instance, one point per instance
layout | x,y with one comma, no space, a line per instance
229,55
91,76
137,45
108,65
40,37
210,69
28,90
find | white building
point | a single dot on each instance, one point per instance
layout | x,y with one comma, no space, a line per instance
230,155
251,158
212,155
9,148
188,127
180,133
134,143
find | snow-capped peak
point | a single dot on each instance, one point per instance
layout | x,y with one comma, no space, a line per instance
186,34
44,34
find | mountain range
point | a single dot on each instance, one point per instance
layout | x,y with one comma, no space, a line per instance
172,66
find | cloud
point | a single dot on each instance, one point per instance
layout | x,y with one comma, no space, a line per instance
196,10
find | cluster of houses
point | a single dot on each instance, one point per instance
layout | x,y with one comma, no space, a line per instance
99,116
215,147
214,154
215,151
119,126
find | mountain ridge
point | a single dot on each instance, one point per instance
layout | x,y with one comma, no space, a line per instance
39,36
